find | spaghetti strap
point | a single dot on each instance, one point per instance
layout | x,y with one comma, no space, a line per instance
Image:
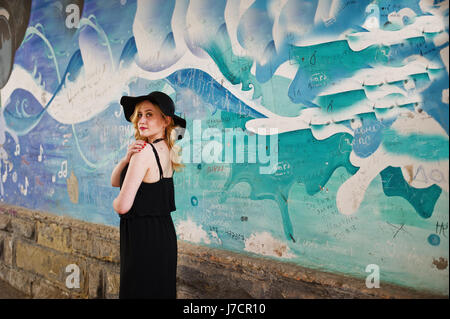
157,160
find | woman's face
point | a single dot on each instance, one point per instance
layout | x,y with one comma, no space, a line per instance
151,123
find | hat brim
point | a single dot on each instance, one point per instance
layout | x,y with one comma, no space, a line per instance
129,102
179,121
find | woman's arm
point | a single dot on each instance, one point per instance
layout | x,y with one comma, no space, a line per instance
115,176
139,163
133,148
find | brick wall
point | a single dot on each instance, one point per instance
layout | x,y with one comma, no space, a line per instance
36,247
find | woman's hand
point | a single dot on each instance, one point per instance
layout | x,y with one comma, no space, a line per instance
133,148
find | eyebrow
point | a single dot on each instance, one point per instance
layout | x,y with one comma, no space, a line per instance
146,110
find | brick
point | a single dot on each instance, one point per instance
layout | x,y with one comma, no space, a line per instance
49,264
6,249
9,292
4,272
44,289
53,236
23,227
112,283
21,280
5,221
81,242
105,250
95,246
96,281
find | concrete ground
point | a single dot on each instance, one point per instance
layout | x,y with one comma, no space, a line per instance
9,292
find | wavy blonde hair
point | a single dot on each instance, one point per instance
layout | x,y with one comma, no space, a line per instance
170,137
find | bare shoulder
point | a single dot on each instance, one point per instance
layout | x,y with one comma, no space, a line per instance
148,154
144,157
163,152
161,148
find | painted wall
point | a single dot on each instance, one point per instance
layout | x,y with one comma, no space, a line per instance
317,130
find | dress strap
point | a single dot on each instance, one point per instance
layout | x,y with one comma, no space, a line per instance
157,160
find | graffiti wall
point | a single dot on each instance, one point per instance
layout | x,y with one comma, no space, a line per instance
317,131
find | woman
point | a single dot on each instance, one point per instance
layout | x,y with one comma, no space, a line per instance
148,243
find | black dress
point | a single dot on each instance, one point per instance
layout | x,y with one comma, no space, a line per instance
148,242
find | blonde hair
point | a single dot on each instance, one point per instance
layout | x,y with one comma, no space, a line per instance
170,137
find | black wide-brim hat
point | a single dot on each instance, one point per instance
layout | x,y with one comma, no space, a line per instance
162,100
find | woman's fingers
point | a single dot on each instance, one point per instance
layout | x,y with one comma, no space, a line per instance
138,146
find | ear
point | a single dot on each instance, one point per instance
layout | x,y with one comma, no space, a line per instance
168,120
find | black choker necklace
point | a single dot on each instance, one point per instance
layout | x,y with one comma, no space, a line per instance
157,140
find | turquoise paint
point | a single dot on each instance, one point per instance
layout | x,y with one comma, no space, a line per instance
434,240
334,103
423,200
312,165
331,62
276,99
194,201
366,237
337,54
235,68
421,79
423,147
